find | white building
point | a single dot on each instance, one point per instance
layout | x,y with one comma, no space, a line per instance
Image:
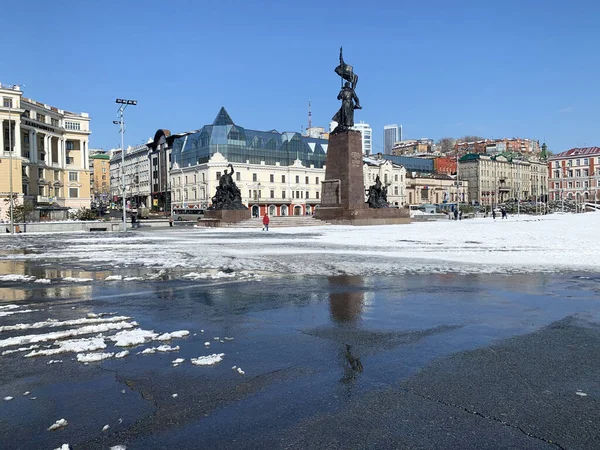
366,133
137,176
575,175
392,176
50,164
391,135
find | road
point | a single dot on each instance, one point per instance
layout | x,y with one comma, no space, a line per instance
339,362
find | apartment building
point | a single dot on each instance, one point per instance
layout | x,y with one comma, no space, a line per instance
575,174
496,179
48,150
137,177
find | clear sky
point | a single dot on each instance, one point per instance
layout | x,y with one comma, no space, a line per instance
525,68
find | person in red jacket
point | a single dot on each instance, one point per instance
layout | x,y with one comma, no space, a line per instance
266,222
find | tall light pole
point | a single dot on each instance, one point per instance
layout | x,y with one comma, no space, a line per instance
457,184
10,158
121,122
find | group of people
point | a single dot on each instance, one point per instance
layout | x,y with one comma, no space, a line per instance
502,211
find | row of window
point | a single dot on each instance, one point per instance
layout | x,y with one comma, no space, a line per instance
577,184
577,173
187,178
578,162
43,191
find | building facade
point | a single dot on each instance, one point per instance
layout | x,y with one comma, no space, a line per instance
50,156
391,135
392,176
412,147
278,173
496,179
137,177
423,189
575,174
366,134
526,147
160,169
100,178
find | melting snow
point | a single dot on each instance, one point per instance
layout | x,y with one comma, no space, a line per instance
177,361
77,280
60,423
71,346
21,349
63,447
8,399
581,394
54,361
174,395
133,337
173,335
122,354
43,281
10,313
162,348
53,323
93,357
105,427
16,277
114,278
208,360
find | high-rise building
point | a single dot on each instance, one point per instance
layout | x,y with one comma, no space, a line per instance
391,135
366,133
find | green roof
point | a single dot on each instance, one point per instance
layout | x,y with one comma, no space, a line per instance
100,157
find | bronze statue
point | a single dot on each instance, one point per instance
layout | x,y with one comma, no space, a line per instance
345,115
228,195
377,195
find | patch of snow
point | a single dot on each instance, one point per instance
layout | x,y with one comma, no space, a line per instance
60,423
21,349
208,360
122,354
161,348
8,398
105,427
93,357
9,306
114,278
26,393
177,361
32,398
133,279
63,447
228,338
16,277
77,280
130,338
174,395
118,447
54,361
240,371
55,335
216,338
581,394
71,346
174,335
53,323
43,281
207,344
10,313
234,367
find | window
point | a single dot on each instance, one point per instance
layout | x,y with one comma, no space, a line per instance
556,185
185,179
578,173
69,145
57,192
586,162
73,192
577,184
104,177
577,162
283,178
195,178
54,121
424,194
73,176
317,180
317,194
272,194
56,175
254,177
40,173
283,193
570,184
569,163
41,190
218,176
272,178
249,193
237,176
396,177
385,178
306,180
297,179
306,194
556,164
72,125
396,188
70,160
7,102
41,118
586,172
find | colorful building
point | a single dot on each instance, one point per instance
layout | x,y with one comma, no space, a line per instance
575,174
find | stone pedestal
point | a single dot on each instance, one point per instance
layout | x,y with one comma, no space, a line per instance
343,190
225,216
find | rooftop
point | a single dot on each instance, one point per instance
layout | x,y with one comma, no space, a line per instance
575,152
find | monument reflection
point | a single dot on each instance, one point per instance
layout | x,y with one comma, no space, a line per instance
346,301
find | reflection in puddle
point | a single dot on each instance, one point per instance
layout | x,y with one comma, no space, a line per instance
346,306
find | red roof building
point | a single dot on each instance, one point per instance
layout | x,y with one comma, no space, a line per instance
575,174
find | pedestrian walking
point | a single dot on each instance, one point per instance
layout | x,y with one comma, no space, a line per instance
504,214
460,216
455,214
171,220
266,222
494,214
133,221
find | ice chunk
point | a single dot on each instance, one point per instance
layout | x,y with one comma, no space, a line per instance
43,281
133,337
71,346
8,398
114,278
77,280
240,371
93,357
174,395
122,354
63,447
60,423
208,360
105,427
161,348
173,335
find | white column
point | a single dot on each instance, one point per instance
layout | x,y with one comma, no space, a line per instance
61,152
1,137
32,157
18,138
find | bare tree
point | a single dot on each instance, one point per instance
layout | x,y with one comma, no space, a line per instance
445,144
470,139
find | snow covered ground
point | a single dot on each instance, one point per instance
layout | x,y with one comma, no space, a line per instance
527,244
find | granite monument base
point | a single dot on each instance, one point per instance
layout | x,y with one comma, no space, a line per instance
362,216
224,216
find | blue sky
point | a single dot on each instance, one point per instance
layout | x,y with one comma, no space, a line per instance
523,68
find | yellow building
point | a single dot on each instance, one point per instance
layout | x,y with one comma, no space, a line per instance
50,164
100,177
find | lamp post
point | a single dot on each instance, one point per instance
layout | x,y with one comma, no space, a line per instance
10,172
121,122
457,184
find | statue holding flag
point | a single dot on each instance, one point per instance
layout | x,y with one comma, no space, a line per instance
345,116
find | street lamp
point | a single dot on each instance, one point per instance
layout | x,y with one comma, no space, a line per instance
121,122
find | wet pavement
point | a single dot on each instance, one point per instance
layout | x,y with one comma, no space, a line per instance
344,362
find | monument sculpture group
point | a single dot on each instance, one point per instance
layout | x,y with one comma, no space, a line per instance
343,191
